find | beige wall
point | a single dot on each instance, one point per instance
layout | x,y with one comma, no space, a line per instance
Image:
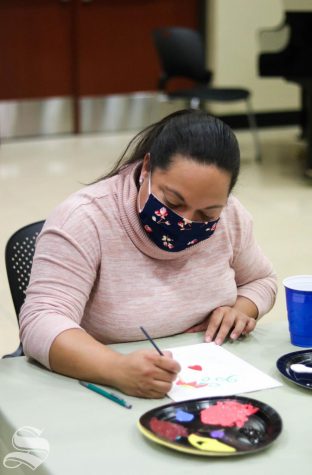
233,48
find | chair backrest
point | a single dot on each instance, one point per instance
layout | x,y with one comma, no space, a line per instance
19,253
181,53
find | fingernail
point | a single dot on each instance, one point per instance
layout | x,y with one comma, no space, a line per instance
233,336
218,341
208,338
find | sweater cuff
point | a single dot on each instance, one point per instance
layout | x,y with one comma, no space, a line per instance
263,307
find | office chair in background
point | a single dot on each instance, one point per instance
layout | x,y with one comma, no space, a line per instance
181,55
19,253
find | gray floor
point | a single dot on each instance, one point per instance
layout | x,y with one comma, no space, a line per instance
35,175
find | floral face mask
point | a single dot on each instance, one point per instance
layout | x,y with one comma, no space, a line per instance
170,231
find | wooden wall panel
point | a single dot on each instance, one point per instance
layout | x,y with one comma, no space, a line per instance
77,48
35,48
116,52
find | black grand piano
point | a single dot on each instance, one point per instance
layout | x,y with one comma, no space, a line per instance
288,54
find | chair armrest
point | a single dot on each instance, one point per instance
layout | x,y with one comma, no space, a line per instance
18,352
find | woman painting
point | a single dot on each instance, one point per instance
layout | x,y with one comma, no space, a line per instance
159,242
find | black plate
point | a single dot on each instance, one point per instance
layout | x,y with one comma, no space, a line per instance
284,366
213,439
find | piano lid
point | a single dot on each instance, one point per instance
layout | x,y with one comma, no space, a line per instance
297,5
274,40
286,51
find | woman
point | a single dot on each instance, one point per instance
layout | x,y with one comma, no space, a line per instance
159,242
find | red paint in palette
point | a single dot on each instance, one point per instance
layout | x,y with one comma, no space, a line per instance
227,413
166,429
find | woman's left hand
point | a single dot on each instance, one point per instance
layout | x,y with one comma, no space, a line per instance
223,322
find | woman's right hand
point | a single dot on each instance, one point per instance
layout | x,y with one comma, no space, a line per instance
145,373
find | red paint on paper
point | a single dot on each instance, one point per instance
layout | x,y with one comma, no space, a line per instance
197,367
192,384
227,413
166,429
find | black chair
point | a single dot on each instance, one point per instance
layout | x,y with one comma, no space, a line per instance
181,54
19,253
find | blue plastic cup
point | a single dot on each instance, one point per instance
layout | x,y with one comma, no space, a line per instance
299,309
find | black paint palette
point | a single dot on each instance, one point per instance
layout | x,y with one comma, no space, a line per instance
217,426
297,359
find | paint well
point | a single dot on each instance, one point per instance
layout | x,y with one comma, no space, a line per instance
227,413
166,429
208,444
183,416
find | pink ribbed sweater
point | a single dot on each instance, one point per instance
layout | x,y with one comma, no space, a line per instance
96,269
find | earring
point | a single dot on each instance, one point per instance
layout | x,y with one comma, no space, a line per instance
141,180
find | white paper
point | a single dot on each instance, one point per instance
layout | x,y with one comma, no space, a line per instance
209,370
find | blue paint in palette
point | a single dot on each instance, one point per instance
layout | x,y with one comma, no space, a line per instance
217,434
183,416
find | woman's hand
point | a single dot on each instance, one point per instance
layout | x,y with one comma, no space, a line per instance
230,322
145,373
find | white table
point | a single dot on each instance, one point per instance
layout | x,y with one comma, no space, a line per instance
91,435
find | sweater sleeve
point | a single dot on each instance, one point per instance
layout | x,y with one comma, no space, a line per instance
63,273
254,274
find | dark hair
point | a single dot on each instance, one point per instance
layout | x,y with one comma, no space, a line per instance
193,134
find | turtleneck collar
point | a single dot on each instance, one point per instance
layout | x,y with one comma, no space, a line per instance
127,194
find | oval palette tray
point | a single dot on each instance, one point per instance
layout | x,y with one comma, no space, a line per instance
285,365
218,426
